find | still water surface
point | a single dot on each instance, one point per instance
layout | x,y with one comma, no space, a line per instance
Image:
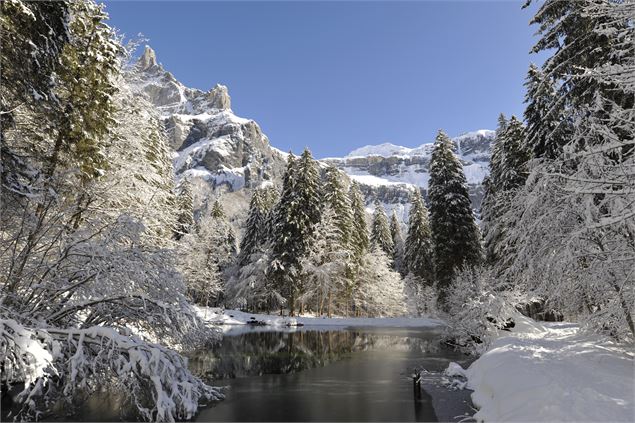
359,374
351,374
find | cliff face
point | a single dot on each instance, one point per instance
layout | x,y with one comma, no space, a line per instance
389,172
219,152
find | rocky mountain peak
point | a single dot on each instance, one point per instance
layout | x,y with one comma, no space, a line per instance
148,59
219,97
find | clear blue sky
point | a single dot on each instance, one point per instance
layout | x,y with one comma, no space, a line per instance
334,76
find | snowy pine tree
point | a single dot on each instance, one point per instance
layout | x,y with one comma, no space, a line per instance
336,198
359,234
380,235
325,265
185,207
547,129
297,213
398,243
418,246
455,236
254,236
509,170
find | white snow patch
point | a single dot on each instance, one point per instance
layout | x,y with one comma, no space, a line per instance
475,173
373,180
235,317
544,372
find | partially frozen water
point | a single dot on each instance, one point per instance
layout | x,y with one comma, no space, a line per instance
361,374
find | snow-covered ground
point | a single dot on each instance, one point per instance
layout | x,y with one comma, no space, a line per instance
222,317
552,372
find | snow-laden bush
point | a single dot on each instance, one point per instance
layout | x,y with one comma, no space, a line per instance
380,290
476,310
421,298
62,364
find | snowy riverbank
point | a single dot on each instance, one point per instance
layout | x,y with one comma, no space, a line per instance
552,372
222,317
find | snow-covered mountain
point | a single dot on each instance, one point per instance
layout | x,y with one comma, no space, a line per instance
215,149
222,153
390,172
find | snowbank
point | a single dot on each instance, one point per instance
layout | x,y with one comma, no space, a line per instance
234,317
551,372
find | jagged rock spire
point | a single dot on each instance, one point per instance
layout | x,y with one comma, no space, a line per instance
148,59
219,97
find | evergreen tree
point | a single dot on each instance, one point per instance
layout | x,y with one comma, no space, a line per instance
359,244
508,173
589,38
418,248
359,235
497,150
547,130
398,243
455,236
297,213
513,170
380,236
335,197
572,237
90,59
253,238
325,264
185,207
217,211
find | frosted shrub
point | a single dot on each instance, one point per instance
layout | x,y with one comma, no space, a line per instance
476,312
421,299
58,364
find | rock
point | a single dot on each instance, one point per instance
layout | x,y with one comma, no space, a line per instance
148,59
219,97
536,310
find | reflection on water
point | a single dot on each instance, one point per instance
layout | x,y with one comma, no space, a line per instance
313,375
350,375
258,353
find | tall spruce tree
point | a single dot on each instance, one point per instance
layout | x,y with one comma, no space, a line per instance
254,234
398,243
335,197
185,209
508,173
297,213
497,150
380,236
588,38
547,130
513,170
359,235
455,236
418,247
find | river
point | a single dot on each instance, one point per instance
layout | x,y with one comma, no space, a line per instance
353,374
316,374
